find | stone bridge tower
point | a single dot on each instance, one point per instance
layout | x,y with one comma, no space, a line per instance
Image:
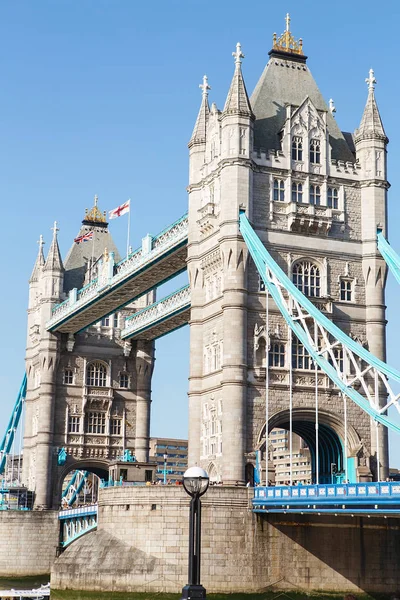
90,392
314,196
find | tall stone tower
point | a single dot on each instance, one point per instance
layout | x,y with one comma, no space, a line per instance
314,196
88,393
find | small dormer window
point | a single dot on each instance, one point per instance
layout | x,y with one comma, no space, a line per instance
315,151
333,198
297,148
279,190
297,192
315,195
346,290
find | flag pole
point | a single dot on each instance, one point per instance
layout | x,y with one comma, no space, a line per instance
129,228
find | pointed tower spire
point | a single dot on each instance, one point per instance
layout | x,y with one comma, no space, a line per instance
237,101
54,261
371,126
39,263
199,131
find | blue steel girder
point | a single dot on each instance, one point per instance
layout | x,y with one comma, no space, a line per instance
344,360
8,438
391,257
118,285
74,487
162,317
76,523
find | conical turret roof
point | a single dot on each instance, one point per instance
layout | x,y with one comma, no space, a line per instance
54,260
39,263
371,126
237,101
200,128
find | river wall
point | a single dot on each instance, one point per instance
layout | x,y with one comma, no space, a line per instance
28,542
142,545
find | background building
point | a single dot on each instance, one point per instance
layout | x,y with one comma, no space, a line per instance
177,457
301,460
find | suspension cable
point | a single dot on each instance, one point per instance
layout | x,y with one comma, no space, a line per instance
266,383
316,411
290,343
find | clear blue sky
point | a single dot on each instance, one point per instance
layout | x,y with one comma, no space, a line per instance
100,97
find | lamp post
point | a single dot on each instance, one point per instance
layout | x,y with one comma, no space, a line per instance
195,482
165,468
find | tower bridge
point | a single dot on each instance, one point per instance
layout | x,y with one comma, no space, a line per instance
285,300
286,309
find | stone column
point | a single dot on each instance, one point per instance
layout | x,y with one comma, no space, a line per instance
234,365
144,370
195,386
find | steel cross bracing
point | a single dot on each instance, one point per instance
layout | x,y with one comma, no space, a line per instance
356,372
159,259
73,489
160,318
8,438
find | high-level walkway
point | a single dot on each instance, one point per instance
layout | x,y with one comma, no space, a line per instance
159,259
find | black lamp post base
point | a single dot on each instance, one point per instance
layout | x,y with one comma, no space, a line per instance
192,592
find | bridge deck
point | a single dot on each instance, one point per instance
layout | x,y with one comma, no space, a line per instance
159,318
354,498
159,259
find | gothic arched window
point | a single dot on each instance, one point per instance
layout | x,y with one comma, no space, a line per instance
96,375
315,195
315,151
279,190
297,192
297,148
306,277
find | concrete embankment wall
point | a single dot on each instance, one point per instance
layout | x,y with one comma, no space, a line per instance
28,542
142,544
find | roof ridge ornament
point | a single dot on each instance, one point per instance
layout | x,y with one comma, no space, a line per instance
286,42
54,229
204,86
371,80
238,54
94,215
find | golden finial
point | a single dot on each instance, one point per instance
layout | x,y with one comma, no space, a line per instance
94,215
286,42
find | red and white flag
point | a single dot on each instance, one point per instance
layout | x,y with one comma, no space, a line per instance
120,210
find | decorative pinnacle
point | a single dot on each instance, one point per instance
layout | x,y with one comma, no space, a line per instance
371,80
204,86
238,54
40,242
96,198
54,229
332,108
287,19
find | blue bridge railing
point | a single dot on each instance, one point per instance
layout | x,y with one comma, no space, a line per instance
377,497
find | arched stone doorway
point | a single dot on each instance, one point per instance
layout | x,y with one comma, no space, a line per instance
331,450
99,468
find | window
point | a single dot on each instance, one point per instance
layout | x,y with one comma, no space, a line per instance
115,320
96,422
297,148
333,197
105,322
300,357
315,195
346,290
115,427
276,356
307,278
279,190
315,151
68,376
338,354
96,375
123,380
261,284
297,192
74,424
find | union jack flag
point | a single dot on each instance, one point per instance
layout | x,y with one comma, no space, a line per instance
84,238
